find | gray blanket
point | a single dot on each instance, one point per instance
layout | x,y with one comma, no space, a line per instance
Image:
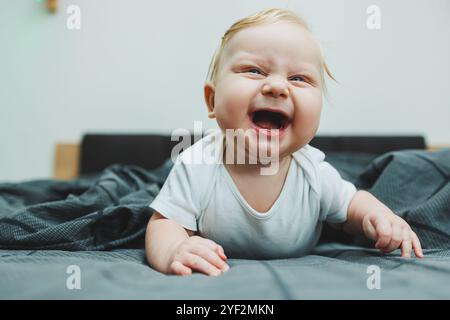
92,213
109,212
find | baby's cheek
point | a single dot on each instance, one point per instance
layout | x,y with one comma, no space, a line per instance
307,115
227,115
231,107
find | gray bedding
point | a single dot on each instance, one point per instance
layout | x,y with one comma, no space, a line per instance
97,224
334,271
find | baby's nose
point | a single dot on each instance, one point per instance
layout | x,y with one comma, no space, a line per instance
275,88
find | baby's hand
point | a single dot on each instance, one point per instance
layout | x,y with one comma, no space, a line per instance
197,253
390,232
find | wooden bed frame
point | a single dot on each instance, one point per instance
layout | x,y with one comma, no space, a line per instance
66,161
67,155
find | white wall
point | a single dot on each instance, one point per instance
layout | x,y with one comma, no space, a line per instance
139,66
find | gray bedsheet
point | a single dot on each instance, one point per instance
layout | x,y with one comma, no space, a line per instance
102,234
334,271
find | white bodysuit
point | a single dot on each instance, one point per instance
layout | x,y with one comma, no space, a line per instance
200,195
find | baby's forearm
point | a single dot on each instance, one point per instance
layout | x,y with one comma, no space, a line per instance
361,204
161,240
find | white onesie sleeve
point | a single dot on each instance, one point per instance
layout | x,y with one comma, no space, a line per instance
187,187
336,194
177,199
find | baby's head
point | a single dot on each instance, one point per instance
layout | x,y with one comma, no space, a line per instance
268,73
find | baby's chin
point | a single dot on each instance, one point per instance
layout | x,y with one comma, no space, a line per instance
259,145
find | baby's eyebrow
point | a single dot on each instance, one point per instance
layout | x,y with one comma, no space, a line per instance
304,67
246,58
243,56
244,61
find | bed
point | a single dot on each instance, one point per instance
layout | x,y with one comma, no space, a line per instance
90,220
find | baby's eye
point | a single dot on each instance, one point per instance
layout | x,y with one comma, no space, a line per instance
298,78
254,70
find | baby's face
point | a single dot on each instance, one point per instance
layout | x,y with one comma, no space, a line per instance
269,78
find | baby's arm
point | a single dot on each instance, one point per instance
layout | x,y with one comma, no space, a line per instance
366,214
172,249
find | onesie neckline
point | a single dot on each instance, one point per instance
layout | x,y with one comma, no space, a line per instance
248,208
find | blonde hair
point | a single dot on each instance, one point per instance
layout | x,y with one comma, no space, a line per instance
263,17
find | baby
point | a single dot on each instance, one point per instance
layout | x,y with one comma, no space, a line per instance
267,76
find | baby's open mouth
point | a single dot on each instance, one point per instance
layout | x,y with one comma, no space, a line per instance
267,119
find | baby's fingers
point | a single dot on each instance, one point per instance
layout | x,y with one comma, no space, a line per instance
416,245
369,228
196,262
221,252
179,269
210,256
213,246
396,238
406,244
384,233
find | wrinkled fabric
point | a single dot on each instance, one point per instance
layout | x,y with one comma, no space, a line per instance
102,212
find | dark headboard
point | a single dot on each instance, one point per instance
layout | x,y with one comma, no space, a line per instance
150,150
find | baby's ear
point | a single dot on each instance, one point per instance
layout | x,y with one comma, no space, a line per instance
209,99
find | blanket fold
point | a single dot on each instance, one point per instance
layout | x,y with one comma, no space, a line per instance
102,212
